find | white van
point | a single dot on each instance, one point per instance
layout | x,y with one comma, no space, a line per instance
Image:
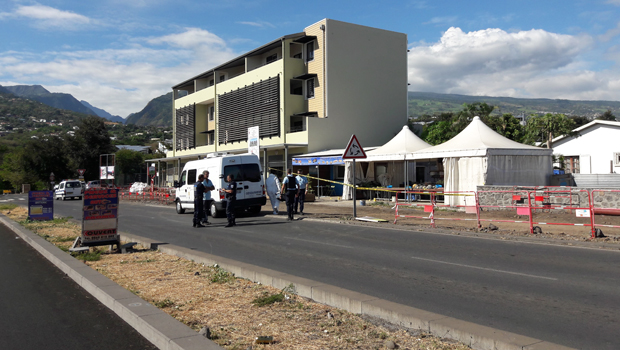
69,189
246,171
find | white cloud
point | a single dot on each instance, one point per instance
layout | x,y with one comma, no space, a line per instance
258,24
45,16
614,2
121,81
442,21
493,62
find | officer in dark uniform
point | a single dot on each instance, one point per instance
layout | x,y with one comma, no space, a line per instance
291,188
231,198
199,190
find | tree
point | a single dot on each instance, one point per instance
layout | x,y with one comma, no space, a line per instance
506,125
545,128
579,121
607,116
91,140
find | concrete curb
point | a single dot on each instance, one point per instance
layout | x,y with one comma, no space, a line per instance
474,335
158,327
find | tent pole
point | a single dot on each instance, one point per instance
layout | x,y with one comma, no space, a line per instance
354,207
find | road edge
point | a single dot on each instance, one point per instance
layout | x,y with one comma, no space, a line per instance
476,336
161,329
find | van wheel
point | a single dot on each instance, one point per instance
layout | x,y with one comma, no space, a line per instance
214,212
255,210
180,209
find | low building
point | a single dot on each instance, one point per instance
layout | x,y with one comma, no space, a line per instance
593,150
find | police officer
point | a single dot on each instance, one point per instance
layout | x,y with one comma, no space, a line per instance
291,188
302,181
199,190
207,196
231,198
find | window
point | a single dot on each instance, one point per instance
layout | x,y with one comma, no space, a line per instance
271,58
616,158
571,164
310,51
243,172
211,113
210,138
183,178
297,87
310,88
222,78
191,176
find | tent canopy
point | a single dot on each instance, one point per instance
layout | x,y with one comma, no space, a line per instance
478,140
405,142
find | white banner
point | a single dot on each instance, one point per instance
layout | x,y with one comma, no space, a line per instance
253,141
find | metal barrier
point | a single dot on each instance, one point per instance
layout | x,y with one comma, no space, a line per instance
601,209
430,207
160,195
526,201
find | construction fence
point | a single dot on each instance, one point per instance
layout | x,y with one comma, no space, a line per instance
560,206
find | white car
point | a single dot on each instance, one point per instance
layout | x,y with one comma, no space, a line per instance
69,189
93,184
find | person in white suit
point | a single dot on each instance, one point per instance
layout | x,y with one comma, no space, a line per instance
273,190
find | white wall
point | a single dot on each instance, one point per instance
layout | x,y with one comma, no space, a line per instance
367,86
599,142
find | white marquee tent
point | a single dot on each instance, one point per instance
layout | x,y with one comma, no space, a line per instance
396,152
480,156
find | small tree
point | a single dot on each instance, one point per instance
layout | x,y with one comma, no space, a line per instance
544,128
607,116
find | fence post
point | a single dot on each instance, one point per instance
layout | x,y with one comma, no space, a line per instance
396,206
477,209
433,209
591,205
529,208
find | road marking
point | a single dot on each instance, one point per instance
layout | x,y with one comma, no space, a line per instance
486,269
315,242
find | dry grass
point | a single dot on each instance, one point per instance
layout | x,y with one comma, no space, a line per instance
199,296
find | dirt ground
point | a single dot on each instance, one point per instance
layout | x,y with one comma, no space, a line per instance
207,296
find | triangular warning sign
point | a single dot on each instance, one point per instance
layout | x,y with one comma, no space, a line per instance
81,172
354,150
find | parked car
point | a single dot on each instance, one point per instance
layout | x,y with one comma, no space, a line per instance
68,189
93,184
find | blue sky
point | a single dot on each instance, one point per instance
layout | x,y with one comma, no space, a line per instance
118,55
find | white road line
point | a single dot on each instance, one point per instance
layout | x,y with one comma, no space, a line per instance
323,243
486,269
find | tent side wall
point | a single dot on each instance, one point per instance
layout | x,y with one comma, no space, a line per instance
519,170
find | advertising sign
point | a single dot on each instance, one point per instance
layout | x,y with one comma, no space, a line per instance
100,218
253,141
106,173
41,205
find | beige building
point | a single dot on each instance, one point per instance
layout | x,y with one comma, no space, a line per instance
306,92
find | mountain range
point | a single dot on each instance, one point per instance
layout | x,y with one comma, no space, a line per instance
158,111
59,100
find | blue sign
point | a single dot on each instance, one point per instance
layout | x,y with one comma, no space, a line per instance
337,160
41,205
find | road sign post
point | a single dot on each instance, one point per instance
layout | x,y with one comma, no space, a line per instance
354,151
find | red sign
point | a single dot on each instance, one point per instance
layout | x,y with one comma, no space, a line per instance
81,172
354,150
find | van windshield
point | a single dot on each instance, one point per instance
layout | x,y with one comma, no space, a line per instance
243,172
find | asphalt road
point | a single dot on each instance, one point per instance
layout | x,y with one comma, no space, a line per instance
42,308
560,294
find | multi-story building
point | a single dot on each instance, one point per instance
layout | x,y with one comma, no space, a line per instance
306,92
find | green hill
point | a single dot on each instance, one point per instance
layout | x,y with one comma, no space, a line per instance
56,100
158,112
428,103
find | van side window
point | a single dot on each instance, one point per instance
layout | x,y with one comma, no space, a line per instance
184,178
243,172
191,176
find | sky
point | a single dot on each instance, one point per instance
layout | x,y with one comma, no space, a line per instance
118,55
